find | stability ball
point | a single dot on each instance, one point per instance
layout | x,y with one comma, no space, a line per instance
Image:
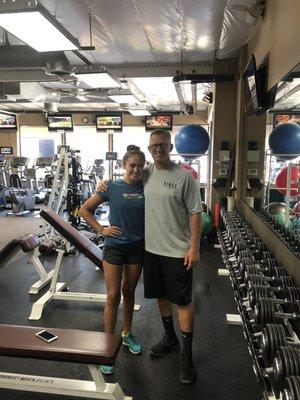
275,208
281,181
191,139
190,169
206,223
285,139
280,219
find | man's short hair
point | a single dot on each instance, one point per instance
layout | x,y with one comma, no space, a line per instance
161,132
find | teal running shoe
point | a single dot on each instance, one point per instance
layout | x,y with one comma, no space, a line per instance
130,341
107,369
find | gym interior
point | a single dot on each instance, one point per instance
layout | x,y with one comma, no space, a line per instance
222,77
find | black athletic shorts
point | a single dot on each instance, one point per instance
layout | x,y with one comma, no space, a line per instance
167,277
123,254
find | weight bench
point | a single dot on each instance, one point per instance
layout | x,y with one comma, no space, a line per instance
74,346
31,245
86,247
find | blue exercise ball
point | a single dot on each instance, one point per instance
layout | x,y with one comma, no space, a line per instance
285,139
191,139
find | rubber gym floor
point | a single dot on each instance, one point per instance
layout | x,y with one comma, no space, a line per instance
220,351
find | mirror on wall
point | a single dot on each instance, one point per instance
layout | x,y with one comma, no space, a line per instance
281,201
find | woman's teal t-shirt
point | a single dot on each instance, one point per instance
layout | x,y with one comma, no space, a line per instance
126,211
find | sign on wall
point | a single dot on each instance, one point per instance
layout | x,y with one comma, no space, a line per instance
8,151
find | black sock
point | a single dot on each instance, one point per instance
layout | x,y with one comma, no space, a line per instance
187,341
169,327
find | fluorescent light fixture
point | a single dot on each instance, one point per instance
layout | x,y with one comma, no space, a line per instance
98,80
138,113
124,98
159,91
36,27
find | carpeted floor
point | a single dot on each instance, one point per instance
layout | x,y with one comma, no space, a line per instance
224,366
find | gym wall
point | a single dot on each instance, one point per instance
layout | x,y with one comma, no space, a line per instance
275,34
9,139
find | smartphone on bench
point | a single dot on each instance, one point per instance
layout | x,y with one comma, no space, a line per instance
46,336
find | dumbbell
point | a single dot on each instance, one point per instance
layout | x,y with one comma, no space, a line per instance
285,363
273,336
266,261
265,312
290,294
267,272
261,280
291,388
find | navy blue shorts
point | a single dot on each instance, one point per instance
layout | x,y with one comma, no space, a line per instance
167,277
123,254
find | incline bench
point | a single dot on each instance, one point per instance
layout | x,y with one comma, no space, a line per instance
31,245
74,346
86,247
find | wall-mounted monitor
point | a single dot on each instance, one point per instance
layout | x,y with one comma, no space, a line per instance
7,121
60,121
251,87
158,122
286,118
109,121
258,98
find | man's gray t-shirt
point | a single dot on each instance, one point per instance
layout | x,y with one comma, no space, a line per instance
171,196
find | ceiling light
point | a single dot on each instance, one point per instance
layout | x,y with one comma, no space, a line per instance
98,80
203,42
122,96
159,91
138,113
37,27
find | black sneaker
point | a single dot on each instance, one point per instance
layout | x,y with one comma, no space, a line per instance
188,372
165,345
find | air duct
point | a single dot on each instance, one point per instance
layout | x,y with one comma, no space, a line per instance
23,57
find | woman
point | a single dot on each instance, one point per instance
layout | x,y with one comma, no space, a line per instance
124,243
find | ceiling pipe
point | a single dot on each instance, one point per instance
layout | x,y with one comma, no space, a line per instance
180,98
203,78
194,97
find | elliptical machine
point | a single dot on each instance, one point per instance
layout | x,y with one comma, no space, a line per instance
22,200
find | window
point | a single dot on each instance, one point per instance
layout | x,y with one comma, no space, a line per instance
92,144
36,141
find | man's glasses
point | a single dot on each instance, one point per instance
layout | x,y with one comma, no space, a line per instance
156,146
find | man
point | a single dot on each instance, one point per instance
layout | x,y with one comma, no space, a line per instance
172,236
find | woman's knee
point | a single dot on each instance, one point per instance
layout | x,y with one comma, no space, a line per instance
113,298
128,291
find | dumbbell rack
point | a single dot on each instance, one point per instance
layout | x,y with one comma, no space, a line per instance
290,238
230,257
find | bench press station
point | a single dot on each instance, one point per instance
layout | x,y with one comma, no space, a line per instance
86,247
75,346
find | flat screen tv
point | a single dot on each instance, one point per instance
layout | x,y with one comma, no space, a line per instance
258,98
60,121
251,87
109,121
8,121
158,122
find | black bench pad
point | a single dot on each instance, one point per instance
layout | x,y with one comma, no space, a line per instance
9,250
84,347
